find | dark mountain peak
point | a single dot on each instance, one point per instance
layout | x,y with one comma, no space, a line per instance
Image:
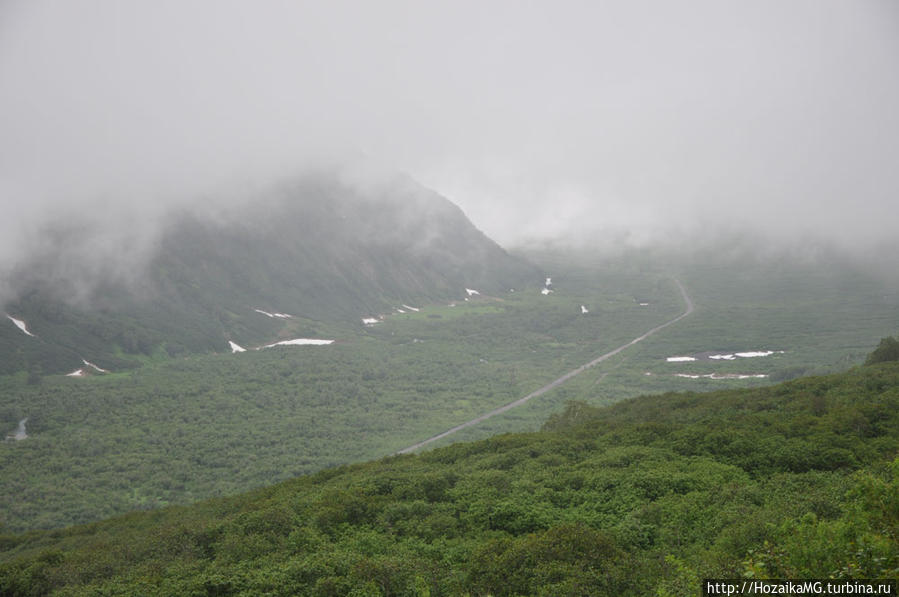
325,247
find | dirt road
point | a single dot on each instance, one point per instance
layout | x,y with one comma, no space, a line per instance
556,383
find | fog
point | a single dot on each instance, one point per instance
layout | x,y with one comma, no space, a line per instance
639,122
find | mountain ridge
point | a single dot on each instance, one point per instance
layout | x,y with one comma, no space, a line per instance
319,248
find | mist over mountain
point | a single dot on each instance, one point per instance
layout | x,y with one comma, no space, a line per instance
643,122
692,201
319,248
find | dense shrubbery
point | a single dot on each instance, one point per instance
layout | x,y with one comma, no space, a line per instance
645,497
887,350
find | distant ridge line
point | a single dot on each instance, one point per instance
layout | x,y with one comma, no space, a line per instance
557,382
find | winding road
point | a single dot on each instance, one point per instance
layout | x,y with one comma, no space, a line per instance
556,383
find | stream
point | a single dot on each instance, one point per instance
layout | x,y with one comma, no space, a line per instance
20,431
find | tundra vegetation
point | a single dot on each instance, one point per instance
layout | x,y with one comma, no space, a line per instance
644,497
589,494
177,430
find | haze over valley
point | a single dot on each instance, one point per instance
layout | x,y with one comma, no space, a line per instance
447,298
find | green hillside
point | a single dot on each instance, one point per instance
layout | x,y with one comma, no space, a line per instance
318,249
178,430
644,497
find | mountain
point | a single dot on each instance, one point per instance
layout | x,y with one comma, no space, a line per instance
321,250
645,497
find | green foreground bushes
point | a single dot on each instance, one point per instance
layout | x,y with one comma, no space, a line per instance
641,498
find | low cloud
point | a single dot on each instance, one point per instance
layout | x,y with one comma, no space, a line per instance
639,122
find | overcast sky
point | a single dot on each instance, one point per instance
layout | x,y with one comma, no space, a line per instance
643,119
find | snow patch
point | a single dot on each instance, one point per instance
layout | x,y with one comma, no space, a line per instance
745,355
729,356
273,315
408,308
89,364
546,287
300,342
20,324
370,320
236,347
644,304
76,373
400,311
722,375
19,434
584,310
471,291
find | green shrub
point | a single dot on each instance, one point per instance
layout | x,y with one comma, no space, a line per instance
887,350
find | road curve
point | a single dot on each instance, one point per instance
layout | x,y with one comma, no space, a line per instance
556,383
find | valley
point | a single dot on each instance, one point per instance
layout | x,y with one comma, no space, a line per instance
557,382
448,299
181,429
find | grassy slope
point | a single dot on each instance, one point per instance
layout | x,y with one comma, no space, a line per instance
644,497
